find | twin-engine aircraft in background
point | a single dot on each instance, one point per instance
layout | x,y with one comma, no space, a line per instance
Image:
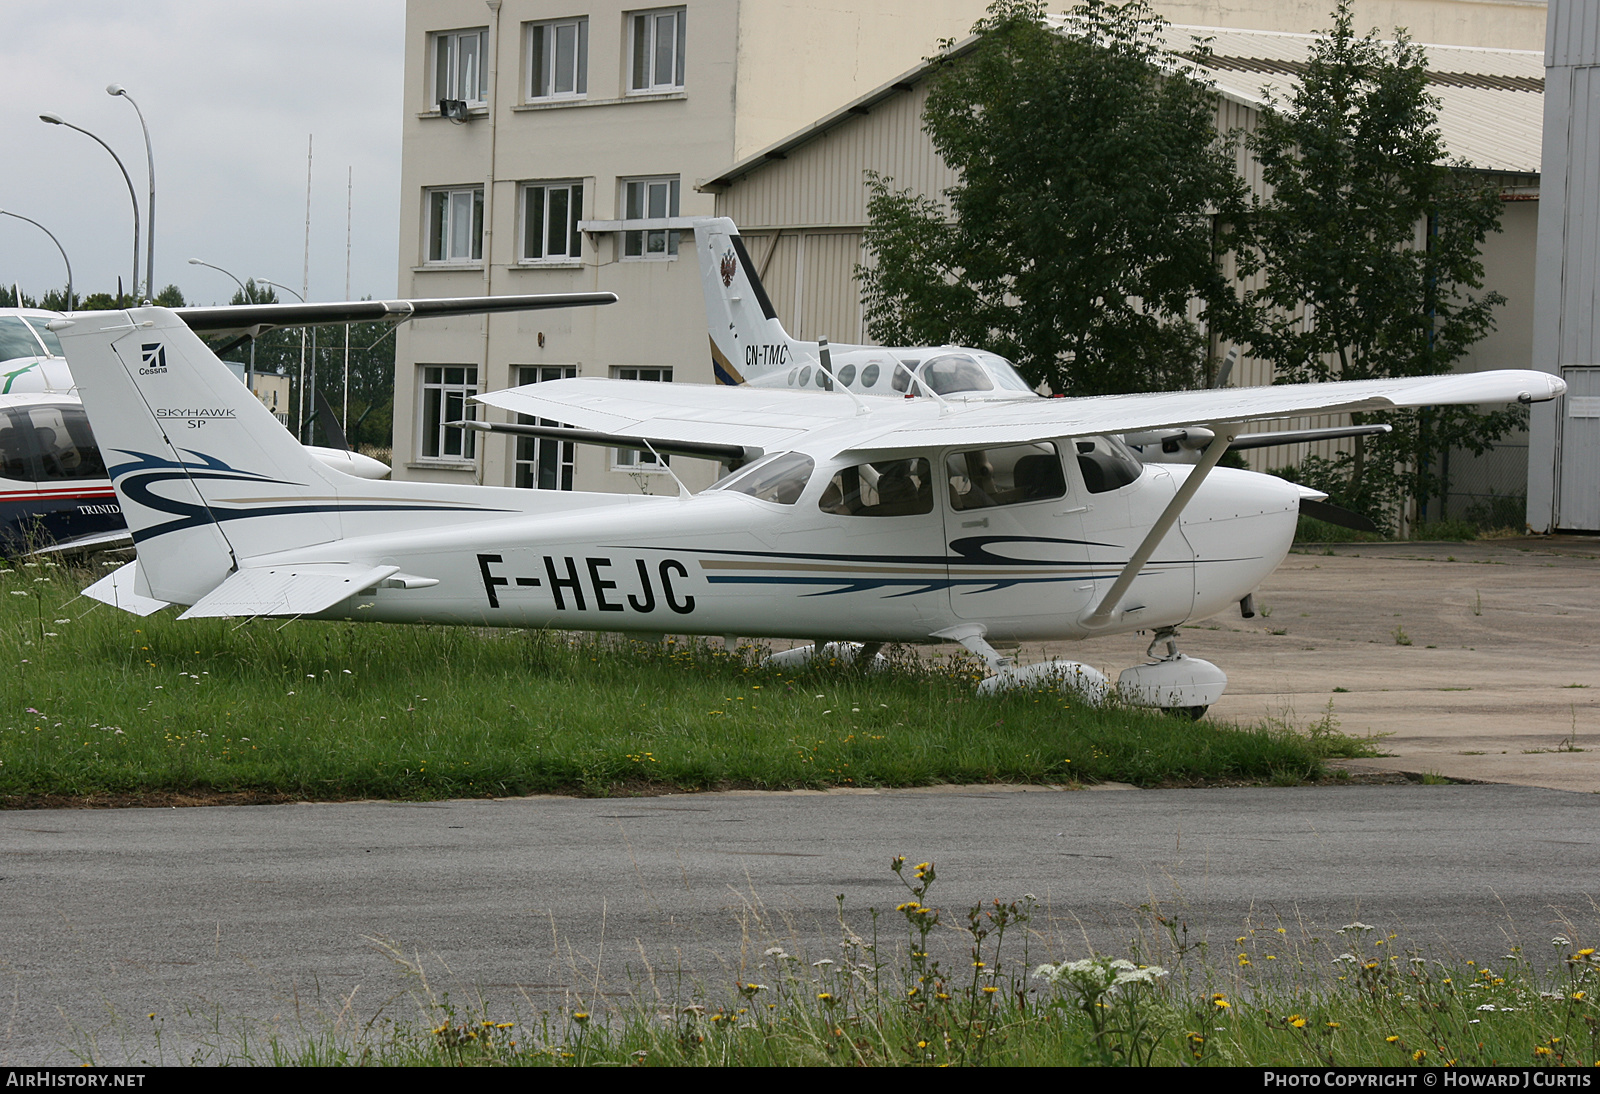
54,491
987,516
750,346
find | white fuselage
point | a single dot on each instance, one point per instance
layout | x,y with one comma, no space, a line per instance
728,563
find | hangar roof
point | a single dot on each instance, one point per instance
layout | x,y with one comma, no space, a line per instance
1491,101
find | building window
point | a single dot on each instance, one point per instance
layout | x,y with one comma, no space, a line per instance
447,391
652,199
626,459
550,215
543,464
558,59
459,71
455,225
657,51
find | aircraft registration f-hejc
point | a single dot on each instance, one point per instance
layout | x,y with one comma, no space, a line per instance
966,508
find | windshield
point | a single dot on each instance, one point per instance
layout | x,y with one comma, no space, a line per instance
1004,373
1107,464
781,479
46,335
953,373
17,340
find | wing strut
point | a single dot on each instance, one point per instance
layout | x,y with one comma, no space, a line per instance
1158,531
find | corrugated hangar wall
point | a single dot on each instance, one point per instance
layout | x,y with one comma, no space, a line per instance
1564,464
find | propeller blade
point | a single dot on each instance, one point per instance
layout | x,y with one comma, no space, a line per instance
1334,514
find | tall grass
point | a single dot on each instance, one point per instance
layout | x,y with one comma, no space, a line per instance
98,704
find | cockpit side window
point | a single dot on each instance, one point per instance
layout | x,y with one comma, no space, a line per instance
781,479
17,340
892,488
987,477
1107,464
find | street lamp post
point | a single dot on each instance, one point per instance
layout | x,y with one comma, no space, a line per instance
57,119
250,375
59,247
300,410
150,206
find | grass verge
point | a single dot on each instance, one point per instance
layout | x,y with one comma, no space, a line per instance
100,707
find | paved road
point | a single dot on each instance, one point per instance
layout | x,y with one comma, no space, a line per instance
268,912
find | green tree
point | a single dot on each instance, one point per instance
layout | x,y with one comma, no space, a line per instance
371,407
1366,254
1081,233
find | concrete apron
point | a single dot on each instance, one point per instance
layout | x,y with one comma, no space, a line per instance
1500,681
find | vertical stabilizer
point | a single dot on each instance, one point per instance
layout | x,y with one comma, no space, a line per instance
747,341
205,474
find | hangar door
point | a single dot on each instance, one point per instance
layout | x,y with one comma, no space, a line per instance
1578,492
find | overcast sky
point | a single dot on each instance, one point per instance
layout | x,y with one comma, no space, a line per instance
230,92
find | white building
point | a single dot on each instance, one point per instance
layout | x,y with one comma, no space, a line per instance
572,148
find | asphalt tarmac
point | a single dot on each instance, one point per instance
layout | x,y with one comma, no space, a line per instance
287,920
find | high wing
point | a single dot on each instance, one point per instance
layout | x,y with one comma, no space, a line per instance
770,419
762,418
253,319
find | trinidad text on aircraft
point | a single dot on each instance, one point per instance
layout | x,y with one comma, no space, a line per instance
54,491
986,521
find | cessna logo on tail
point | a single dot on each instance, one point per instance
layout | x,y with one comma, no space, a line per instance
153,356
730,266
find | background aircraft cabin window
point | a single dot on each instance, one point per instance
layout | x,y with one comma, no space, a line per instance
543,464
953,373
892,488
626,459
446,391
558,59
455,225
459,71
987,477
650,199
17,340
657,51
47,444
1107,464
781,479
550,215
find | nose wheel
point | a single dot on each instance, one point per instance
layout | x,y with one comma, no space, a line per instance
1181,685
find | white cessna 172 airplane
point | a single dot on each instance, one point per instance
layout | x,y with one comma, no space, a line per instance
986,521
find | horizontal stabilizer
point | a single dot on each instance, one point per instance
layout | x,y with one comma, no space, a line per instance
287,590
116,589
94,541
